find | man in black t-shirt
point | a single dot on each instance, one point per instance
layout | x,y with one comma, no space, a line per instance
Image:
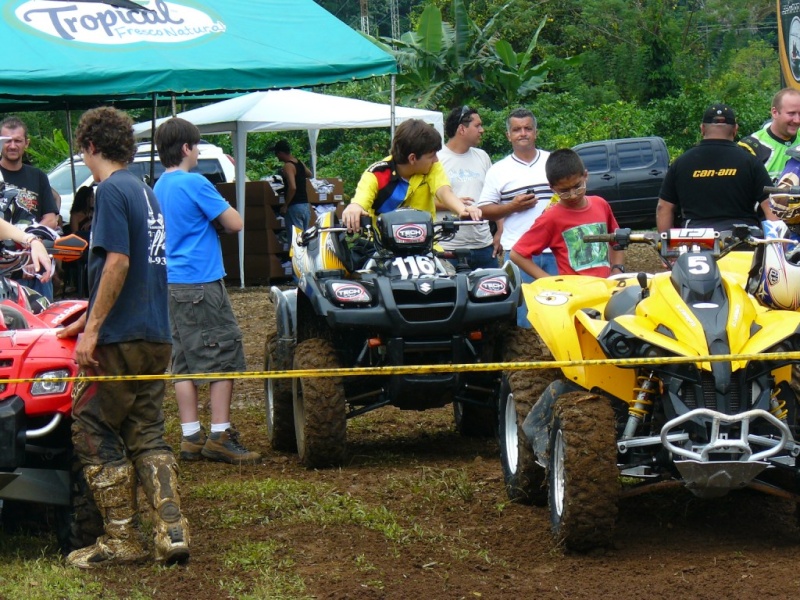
715,184
296,208
35,200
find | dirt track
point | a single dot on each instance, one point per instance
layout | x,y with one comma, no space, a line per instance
455,535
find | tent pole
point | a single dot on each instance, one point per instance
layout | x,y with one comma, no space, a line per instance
153,143
313,137
240,156
71,143
392,87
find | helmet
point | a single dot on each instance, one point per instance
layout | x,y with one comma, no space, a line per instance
775,275
788,213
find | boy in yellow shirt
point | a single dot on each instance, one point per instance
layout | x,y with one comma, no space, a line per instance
411,177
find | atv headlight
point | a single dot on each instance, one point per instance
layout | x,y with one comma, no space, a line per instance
348,293
490,286
45,384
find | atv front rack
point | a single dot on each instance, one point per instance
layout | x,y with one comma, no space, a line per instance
718,443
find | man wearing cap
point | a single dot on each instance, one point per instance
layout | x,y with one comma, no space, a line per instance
714,184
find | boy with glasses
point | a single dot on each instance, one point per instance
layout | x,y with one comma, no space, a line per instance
563,224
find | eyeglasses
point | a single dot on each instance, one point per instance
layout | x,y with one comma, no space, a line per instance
572,192
465,110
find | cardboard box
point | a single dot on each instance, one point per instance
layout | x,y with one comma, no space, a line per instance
262,217
258,268
337,195
256,242
275,243
256,193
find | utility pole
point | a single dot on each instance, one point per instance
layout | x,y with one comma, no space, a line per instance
364,17
395,16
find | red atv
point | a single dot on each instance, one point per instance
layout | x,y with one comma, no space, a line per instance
36,462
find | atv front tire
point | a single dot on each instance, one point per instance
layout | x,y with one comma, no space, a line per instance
278,398
583,476
519,390
320,417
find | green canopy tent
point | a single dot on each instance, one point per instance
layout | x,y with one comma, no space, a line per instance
81,53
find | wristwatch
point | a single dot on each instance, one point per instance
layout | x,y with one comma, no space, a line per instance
620,268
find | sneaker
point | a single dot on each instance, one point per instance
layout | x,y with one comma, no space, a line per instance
191,446
224,446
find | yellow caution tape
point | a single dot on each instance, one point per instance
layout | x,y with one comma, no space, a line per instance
425,369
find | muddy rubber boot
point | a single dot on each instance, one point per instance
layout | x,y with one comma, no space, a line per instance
114,490
158,474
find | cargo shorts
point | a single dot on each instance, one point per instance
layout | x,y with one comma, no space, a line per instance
205,335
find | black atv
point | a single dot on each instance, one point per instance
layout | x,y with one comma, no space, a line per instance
387,299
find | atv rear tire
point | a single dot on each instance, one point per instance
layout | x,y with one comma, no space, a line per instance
524,478
278,399
583,476
320,418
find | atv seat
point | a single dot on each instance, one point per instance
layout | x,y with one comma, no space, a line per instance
623,302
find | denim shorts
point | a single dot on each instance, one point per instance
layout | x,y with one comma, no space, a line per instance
205,335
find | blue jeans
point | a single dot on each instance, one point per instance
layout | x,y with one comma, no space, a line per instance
297,215
479,258
45,289
546,262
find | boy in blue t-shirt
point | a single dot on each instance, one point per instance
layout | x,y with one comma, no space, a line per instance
206,337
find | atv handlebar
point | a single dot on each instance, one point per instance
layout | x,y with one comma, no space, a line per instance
671,244
444,229
621,238
67,248
793,190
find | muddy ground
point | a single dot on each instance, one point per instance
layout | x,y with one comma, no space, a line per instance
459,536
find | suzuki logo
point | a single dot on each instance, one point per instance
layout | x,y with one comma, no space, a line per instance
425,288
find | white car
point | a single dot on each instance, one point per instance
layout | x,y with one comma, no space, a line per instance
213,163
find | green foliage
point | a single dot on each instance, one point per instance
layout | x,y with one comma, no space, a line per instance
589,69
442,63
47,152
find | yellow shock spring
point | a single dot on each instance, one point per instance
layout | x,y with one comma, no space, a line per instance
639,406
777,406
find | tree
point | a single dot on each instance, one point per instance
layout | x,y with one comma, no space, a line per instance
442,64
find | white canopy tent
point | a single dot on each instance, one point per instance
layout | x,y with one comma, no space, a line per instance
289,110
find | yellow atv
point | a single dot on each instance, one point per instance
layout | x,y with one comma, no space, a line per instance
711,427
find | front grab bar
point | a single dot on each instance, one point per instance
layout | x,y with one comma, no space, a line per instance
717,444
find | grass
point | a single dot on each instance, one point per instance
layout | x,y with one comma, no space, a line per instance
399,506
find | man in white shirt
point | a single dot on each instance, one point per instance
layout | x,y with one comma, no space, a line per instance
515,192
466,166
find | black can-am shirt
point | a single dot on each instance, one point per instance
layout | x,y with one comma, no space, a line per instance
716,183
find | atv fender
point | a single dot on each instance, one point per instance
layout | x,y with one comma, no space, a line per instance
536,425
285,302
